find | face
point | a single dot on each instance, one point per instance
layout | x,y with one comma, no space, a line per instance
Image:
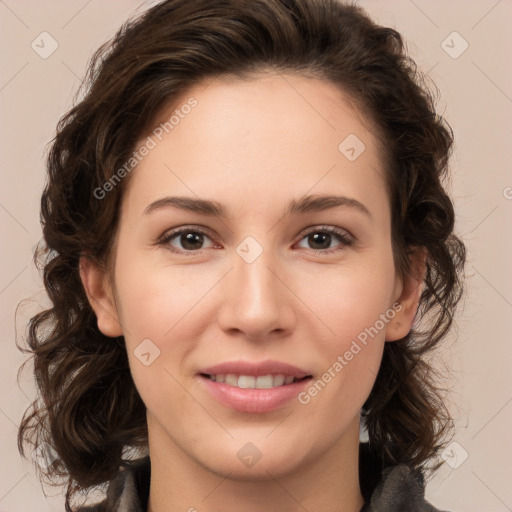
267,280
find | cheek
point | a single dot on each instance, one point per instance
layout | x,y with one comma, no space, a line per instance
355,306
349,298
156,299
350,357
165,305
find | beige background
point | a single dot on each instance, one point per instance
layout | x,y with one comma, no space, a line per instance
476,89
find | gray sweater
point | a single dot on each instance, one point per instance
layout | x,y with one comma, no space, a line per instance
394,489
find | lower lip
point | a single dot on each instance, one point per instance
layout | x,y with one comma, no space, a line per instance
253,400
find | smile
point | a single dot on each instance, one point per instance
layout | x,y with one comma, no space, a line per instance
253,394
252,381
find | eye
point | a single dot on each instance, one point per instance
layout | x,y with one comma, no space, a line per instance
188,240
191,240
321,238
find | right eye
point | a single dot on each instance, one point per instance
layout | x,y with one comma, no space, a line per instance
190,240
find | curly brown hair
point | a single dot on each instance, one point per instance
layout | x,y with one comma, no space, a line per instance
88,408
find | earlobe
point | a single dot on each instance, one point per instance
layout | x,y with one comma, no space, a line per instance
100,296
408,298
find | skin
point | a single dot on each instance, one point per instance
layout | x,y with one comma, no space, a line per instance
253,145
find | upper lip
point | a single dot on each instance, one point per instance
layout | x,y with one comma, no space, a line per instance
268,367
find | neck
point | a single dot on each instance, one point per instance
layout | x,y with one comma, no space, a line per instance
329,482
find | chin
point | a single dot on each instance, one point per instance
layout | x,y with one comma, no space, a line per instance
261,471
250,463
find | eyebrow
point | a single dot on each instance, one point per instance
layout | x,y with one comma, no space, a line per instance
306,204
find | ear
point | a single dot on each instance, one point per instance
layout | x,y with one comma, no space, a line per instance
101,298
407,295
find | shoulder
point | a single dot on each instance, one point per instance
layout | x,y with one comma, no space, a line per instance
395,488
399,489
128,492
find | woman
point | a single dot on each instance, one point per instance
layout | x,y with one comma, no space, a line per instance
250,254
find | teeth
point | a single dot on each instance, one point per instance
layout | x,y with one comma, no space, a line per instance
252,382
231,379
264,381
246,381
279,380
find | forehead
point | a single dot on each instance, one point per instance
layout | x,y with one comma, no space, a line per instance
247,138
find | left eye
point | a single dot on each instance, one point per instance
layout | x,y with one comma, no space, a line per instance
192,240
322,238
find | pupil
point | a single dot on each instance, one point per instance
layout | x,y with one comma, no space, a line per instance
189,238
317,238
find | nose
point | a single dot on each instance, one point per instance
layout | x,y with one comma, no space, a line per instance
257,300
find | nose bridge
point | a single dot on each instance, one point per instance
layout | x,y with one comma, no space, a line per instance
256,300
256,285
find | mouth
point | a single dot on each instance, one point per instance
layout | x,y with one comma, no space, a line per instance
243,394
254,381
254,387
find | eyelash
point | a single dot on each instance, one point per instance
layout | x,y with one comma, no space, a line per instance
345,239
